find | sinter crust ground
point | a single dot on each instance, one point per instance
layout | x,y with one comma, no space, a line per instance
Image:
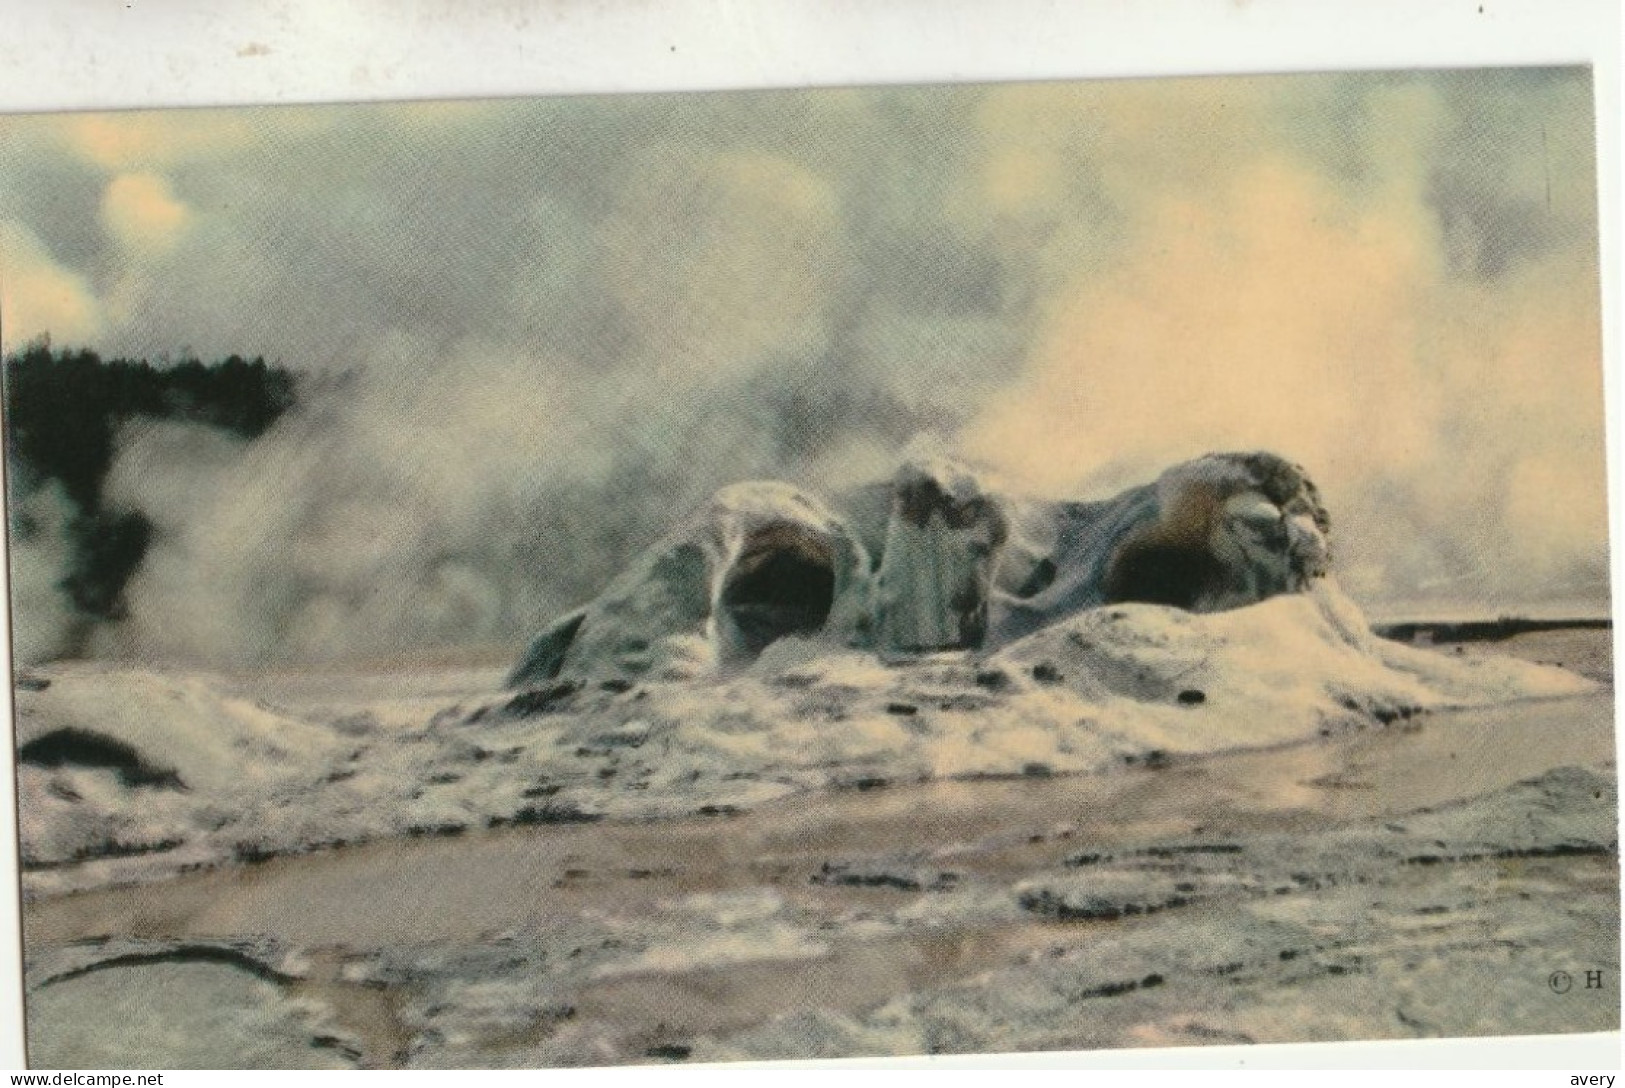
1422,877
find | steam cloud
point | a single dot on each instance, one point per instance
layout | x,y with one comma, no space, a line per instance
537,333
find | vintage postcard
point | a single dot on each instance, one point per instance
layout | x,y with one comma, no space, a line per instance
867,571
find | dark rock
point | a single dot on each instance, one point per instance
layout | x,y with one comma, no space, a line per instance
993,679
71,747
532,815
672,1052
545,700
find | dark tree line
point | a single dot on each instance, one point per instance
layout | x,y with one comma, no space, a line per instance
63,410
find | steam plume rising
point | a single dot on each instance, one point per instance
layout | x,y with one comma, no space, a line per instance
539,333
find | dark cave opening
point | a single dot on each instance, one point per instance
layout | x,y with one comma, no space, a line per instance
1168,574
784,584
